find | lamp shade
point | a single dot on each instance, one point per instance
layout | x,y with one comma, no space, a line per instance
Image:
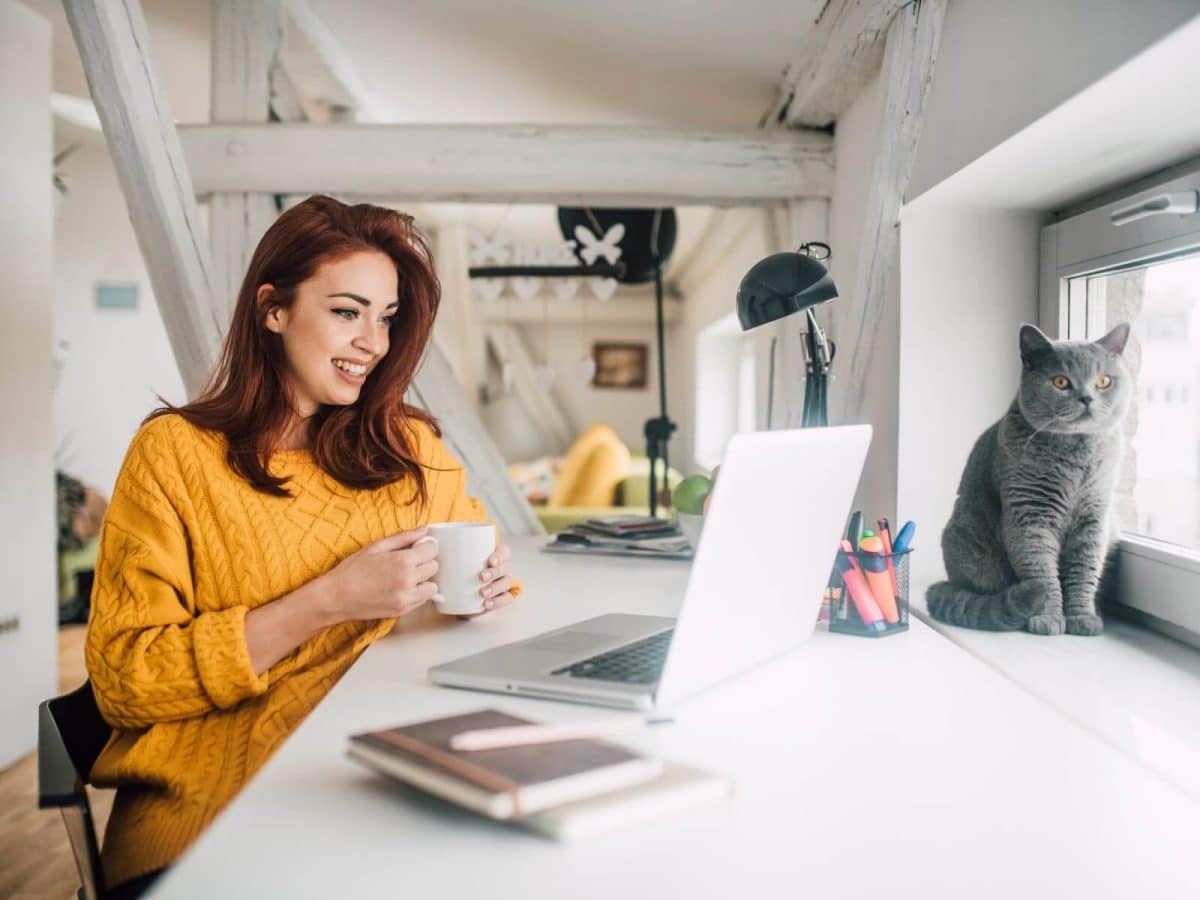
779,285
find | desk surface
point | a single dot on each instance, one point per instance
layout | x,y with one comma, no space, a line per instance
898,767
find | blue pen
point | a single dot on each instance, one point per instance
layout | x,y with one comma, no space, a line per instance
904,537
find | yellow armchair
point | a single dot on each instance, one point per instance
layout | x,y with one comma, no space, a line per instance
599,477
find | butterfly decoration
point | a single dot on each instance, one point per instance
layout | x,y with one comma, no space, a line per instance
592,248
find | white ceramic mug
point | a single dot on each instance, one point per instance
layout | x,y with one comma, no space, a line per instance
463,551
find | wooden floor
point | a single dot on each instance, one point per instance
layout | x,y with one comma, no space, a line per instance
35,857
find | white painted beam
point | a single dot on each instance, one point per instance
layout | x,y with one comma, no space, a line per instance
114,46
556,431
912,45
600,165
327,84
839,56
246,36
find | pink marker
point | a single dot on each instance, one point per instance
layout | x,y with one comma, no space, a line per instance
859,590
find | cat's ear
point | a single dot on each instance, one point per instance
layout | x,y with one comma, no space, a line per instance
1034,344
1114,341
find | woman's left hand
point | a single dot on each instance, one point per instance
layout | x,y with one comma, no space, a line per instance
497,580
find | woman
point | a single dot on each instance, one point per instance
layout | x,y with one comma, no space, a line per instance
260,537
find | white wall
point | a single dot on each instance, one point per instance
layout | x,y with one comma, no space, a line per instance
28,586
118,359
625,409
968,280
1001,66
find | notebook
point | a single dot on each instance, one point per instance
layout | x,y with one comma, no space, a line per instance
505,783
678,790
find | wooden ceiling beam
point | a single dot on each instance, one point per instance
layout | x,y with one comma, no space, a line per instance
840,55
599,165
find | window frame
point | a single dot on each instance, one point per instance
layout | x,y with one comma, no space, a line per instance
1158,583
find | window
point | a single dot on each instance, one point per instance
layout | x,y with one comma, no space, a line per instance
727,374
1147,272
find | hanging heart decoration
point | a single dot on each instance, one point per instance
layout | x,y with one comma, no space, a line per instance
563,255
485,251
525,287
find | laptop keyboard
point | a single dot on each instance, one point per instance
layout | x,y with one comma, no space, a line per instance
637,663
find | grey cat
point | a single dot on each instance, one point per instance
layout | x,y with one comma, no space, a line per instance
1028,540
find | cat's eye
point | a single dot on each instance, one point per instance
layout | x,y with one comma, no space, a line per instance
1062,382
1103,382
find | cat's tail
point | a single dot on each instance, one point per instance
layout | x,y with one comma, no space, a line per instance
1007,610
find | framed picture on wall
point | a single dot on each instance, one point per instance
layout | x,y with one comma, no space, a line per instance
620,365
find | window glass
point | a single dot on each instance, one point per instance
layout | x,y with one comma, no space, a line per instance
1160,486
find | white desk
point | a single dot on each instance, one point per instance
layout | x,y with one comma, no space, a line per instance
895,768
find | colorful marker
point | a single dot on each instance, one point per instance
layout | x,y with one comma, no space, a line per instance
904,538
875,570
885,534
857,588
855,529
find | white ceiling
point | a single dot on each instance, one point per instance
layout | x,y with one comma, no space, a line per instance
698,63
674,63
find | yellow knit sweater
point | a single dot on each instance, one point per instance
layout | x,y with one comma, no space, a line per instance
187,548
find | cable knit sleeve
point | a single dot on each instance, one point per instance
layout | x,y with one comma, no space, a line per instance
152,656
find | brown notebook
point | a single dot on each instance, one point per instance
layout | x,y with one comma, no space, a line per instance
504,783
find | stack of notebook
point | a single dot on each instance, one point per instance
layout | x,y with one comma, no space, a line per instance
623,535
566,789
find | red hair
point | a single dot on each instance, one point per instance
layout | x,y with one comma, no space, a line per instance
364,445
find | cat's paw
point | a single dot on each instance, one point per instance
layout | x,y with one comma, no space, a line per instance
1085,623
1046,623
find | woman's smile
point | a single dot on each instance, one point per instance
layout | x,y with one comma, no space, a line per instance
355,373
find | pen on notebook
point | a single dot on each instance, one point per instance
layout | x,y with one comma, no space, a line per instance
520,735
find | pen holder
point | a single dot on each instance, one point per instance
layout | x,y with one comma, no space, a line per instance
868,595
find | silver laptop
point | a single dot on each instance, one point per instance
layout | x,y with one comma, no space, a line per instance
754,591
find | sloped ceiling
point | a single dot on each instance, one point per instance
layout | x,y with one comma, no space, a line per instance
710,64
681,63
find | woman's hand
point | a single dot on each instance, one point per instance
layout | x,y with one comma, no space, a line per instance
388,578
497,580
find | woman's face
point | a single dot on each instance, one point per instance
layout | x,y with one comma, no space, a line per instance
336,330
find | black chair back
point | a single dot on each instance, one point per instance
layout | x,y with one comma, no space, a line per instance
71,734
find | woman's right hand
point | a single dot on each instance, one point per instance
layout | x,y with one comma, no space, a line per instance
385,579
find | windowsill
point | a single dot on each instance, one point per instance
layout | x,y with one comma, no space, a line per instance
1134,688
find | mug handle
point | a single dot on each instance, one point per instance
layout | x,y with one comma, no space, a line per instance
438,599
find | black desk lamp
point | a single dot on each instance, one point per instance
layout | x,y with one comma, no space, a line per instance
787,283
